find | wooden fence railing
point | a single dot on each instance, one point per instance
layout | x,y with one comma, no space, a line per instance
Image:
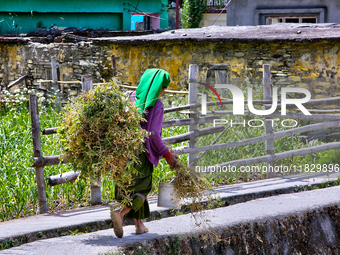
193,122
334,121
40,161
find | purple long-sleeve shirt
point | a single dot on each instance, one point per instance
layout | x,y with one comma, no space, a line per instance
154,143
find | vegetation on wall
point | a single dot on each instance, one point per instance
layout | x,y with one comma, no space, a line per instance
192,13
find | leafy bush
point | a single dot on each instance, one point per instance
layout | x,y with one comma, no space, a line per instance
192,13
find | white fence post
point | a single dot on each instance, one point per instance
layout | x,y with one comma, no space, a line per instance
96,193
267,95
193,79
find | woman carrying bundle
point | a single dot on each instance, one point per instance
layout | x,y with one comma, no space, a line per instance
152,85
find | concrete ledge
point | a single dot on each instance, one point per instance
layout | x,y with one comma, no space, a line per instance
301,223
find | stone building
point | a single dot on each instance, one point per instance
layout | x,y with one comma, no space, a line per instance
266,12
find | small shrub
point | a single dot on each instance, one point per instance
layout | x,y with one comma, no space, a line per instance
192,13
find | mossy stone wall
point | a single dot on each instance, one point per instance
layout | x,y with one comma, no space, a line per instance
311,65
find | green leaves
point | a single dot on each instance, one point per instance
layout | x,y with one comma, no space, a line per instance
193,13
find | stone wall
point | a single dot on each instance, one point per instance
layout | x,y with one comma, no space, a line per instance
74,60
311,65
314,66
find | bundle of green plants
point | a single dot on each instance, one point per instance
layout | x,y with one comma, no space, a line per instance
101,134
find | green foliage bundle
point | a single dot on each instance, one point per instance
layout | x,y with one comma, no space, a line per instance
187,184
190,186
195,190
101,134
192,13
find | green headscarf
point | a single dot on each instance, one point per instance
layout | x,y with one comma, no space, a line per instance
149,88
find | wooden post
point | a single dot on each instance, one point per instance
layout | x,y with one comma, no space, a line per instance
114,67
96,193
267,95
39,171
177,14
193,79
27,103
54,66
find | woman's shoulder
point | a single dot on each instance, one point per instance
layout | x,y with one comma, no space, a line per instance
157,108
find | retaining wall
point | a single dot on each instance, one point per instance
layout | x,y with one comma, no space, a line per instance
286,224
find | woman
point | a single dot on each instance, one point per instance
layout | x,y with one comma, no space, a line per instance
152,85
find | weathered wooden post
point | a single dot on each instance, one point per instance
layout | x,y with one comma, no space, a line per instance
54,66
267,95
193,79
114,67
25,86
39,171
96,194
86,82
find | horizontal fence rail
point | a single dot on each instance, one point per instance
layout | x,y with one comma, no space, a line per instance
278,156
198,133
314,117
48,161
50,131
166,124
17,81
63,178
310,103
188,121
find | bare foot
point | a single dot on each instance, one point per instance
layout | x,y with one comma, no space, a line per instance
117,223
117,220
140,227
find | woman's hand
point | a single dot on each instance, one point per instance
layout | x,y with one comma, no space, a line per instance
170,159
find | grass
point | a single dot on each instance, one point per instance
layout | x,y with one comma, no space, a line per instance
18,191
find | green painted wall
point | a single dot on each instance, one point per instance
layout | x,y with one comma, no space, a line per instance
18,16
24,22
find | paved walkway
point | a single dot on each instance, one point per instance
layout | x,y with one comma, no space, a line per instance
102,240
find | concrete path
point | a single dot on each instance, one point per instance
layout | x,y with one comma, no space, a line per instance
260,209
93,243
